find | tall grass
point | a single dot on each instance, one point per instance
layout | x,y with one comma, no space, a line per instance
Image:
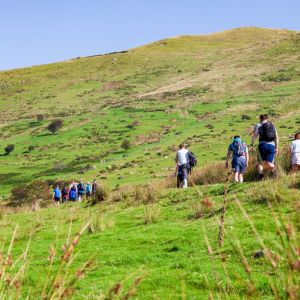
283,274
60,281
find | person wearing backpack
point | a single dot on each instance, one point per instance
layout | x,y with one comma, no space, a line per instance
81,190
182,166
295,153
73,193
240,158
88,190
64,194
56,194
267,146
94,187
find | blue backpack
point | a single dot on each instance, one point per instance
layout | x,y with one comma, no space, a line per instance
88,188
72,194
238,147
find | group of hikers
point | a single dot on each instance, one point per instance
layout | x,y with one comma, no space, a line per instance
268,145
74,192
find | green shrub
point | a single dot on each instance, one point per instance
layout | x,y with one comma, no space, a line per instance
30,193
125,145
9,148
278,77
55,125
101,194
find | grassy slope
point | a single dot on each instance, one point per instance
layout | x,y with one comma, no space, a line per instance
173,88
173,250
192,88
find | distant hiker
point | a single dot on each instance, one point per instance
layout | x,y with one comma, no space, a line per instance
182,166
94,186
73,184
56,194
267,147
240,158
64,194
73,193
88,190
295,153
80,190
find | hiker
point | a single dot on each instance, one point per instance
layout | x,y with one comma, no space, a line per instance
88,190
295,153
240,158
56,194
80,190
64,194
182,166
73,193
94,186
267,147
73,183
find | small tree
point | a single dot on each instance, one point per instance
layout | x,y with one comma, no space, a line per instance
125,145
9,148
55,125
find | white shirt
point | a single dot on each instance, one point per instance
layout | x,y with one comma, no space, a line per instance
295,146
183,156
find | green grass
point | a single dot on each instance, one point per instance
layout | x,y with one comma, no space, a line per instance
172,251
199,89
174,90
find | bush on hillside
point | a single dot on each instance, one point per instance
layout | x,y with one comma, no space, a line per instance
210,174
9,148
278,77
284,160
251,172
146,194
40,117
30,193
55,125
101,194
125,145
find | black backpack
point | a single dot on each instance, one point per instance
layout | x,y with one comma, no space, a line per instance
80,187
192,159
267,132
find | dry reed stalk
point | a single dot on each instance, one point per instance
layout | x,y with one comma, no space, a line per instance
221,236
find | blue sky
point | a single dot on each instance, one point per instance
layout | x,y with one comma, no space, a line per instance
36,32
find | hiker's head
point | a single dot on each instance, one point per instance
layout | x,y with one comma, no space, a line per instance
263,117
297,136
182,146
237,138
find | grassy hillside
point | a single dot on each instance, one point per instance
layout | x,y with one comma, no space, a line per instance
198,89
174,239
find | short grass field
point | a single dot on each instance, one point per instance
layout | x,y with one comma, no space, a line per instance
163,243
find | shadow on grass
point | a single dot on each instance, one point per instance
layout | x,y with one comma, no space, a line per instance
44,134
